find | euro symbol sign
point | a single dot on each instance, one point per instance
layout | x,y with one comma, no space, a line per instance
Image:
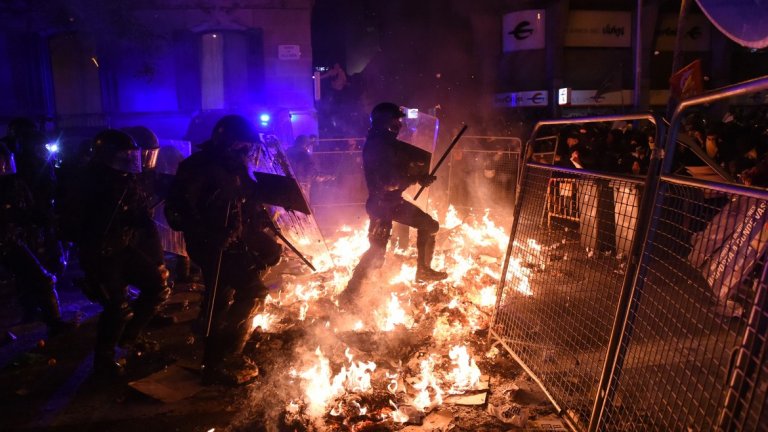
537,98
522,30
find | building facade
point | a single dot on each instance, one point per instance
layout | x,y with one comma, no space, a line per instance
159,63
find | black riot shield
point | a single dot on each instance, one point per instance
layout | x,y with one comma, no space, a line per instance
288,206
282,191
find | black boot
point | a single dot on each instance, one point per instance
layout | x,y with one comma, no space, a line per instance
371,260
49,305
425,247
223,361
111,324
144,309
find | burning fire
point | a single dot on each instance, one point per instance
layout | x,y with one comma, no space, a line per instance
394,315
471,250
263,321
465,374
429,392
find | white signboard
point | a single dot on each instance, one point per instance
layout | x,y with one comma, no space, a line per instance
521,99
599,29
288,52
695,33
523,30
592,97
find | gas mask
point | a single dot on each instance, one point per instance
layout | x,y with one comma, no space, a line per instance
238,154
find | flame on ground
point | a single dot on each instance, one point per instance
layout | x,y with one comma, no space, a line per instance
472,251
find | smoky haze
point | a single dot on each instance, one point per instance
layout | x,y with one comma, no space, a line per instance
424,54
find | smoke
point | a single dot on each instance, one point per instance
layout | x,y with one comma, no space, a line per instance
436,55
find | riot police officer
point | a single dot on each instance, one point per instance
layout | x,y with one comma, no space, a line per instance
150,148
389,170
35,165
214,202
119,245
36,286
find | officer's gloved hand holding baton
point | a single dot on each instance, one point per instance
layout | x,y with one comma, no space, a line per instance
426,180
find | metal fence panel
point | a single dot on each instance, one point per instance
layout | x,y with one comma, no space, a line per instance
483,179
692,346
564,278
684,337
473,179
340,178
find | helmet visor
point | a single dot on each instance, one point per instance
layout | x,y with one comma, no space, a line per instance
149,158
128,161
7,165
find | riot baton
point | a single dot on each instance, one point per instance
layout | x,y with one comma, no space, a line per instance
214,288
280,235
292,247
442,158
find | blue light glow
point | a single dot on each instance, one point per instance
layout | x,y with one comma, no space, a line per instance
52,147
264,118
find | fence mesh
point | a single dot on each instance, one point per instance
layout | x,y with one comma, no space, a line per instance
695,334
338,193
470,179
482,179
565,276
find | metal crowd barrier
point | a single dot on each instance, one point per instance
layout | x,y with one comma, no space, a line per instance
563,279
692,346
473,178
683,330
640,304
338,195
483,179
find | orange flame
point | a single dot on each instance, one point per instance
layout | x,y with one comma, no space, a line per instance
429,392
465,374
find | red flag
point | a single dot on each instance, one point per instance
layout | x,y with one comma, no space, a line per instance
687,82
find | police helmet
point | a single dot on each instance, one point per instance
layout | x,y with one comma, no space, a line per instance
147,142
116,149
386,111
232,129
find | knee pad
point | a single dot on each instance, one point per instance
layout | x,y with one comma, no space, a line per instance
379,232
430,228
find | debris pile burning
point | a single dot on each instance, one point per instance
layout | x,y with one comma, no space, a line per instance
412,347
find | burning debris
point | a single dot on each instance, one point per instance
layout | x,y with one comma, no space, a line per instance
413,347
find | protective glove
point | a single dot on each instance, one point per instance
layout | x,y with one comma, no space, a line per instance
427,180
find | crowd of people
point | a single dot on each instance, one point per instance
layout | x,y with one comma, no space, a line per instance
99,203
738,144
98,206
725,232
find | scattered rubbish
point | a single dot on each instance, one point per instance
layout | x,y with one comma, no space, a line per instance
510,413
170,385
467,399
438,421
550,422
